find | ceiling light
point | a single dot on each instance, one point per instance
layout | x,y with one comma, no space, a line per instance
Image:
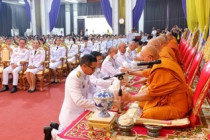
21,2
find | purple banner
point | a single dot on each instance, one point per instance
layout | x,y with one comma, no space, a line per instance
107,10
28,9
137,11
53,15
0,5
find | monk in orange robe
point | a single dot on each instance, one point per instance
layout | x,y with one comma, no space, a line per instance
173,44
167,95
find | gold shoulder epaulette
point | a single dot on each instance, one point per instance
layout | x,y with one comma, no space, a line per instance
78,74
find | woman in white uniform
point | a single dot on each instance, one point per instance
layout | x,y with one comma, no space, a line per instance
37,55
72,50
56,53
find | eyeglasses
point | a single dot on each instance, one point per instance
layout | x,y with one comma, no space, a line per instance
93,68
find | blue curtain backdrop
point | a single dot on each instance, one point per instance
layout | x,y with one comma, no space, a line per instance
54,12
0,5
28,9
184,8
137,11
107,10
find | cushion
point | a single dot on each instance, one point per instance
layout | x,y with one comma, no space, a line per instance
64,66
41,72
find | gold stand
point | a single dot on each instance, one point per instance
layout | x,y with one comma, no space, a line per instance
95,121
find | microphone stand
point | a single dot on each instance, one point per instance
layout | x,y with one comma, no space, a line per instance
120,77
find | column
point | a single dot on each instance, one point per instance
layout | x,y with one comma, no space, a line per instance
115,17
45,17
75,13
35,17
67,11
128,15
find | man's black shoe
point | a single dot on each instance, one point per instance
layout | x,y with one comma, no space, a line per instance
5,88
54,125
14,89
47,133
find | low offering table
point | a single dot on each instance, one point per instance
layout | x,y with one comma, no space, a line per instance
95,121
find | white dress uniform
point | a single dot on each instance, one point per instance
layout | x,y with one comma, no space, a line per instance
124,40
72,51
96,47
104,47
35,59
85,49
56,53
109,44
122,59
78,98
130,37
18,55
109,67
97,79
115,42
130,54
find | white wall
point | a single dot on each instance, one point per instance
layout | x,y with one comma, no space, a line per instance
97,25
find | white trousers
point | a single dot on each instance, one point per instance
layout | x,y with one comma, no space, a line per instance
55,65
55,133
15,73
71,59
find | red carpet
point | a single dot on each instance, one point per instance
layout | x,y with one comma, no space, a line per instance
23,115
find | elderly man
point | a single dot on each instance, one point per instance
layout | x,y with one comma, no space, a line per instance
121,59
78,96
109,66
130,51
167,95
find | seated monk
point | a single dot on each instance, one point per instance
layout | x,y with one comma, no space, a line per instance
167,96
173,44
164,51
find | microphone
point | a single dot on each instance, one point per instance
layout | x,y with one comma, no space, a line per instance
116,75
149,63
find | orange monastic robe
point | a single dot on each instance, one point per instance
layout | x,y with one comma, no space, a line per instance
167,52
172,96
175,47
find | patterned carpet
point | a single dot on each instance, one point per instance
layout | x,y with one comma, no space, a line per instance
79,130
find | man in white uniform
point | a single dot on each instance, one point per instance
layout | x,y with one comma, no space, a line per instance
85,47
109,66
78,95
97,77
121,59
130,51
131,36
19,54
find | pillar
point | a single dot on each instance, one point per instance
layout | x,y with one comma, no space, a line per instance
115,16
75,14
68,25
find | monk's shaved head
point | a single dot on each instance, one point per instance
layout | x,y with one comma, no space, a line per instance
169,36
161,39
156,43
149,53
